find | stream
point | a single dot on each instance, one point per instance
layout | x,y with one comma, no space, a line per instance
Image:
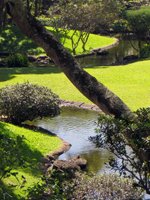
76,126
116,55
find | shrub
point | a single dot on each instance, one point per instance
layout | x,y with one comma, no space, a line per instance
17,60
139,22
55,185
27,101
120,26
132,156
145,51
105,186
80,186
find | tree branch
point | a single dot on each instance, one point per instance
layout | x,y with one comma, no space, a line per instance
95,91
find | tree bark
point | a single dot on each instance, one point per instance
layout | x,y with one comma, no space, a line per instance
95,91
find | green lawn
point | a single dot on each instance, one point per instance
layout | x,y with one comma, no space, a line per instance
12,40
130,82
36,146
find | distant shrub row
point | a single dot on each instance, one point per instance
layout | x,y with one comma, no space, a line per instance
17,60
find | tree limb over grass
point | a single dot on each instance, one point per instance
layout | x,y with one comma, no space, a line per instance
107,101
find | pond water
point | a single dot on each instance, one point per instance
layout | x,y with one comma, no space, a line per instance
76,126
115,55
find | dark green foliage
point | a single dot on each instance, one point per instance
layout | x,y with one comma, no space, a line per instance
135,161
139,22
145,51
120,26
17,60
27,101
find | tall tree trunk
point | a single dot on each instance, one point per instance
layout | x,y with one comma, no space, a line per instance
95,91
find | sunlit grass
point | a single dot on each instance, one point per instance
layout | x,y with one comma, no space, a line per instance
130,82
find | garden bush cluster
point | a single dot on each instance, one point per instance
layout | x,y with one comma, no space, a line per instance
132,156
27,101
145,51
77,186
105,186
17,60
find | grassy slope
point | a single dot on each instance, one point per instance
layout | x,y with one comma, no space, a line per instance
130,82
37,146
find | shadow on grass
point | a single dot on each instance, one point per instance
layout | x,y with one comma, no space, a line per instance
15,155
5,77
21,158
12,40
30,157
6,193
10,73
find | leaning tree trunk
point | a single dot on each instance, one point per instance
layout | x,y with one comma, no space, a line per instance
95,91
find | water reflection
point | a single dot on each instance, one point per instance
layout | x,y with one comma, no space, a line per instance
115,55
96,160
76,126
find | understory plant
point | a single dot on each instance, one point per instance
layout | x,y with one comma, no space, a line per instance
145,51
60,185
17,60
27,101
130,162
104,186
54,185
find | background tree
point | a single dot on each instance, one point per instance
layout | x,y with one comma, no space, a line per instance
86,16
139,24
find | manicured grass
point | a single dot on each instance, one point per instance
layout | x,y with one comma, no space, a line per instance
130,82
36,146
12,40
